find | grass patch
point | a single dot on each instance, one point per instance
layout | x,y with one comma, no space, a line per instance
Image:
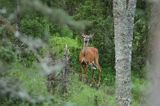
31,79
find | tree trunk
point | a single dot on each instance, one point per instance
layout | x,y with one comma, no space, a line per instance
124,12
154,72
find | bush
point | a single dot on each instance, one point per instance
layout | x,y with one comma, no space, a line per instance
7,55
57,44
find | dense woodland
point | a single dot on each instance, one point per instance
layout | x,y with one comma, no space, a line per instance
37,68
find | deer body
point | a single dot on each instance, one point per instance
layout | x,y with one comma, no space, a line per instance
89,56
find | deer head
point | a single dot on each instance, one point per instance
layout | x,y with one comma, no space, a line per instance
86,39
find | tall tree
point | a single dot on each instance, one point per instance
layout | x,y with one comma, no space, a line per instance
124,12
154,54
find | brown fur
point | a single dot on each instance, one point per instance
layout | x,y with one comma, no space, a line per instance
88,56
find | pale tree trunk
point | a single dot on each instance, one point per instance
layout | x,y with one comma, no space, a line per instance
124,12
154,72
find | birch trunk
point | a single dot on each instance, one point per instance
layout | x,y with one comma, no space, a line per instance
124,12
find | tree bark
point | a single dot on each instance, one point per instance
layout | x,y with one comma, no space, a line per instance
154,72
124,12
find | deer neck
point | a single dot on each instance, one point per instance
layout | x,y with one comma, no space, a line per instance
84,48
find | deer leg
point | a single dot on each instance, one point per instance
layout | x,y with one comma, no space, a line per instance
99,71
93,80
81,73
86,70
99,75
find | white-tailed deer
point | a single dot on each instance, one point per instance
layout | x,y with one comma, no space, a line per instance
89,56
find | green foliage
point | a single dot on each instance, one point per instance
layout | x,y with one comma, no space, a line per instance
26,58
10,4
140,39
34,26
31,79
138,91
7,55
57,44
66,32
83,95
108,77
